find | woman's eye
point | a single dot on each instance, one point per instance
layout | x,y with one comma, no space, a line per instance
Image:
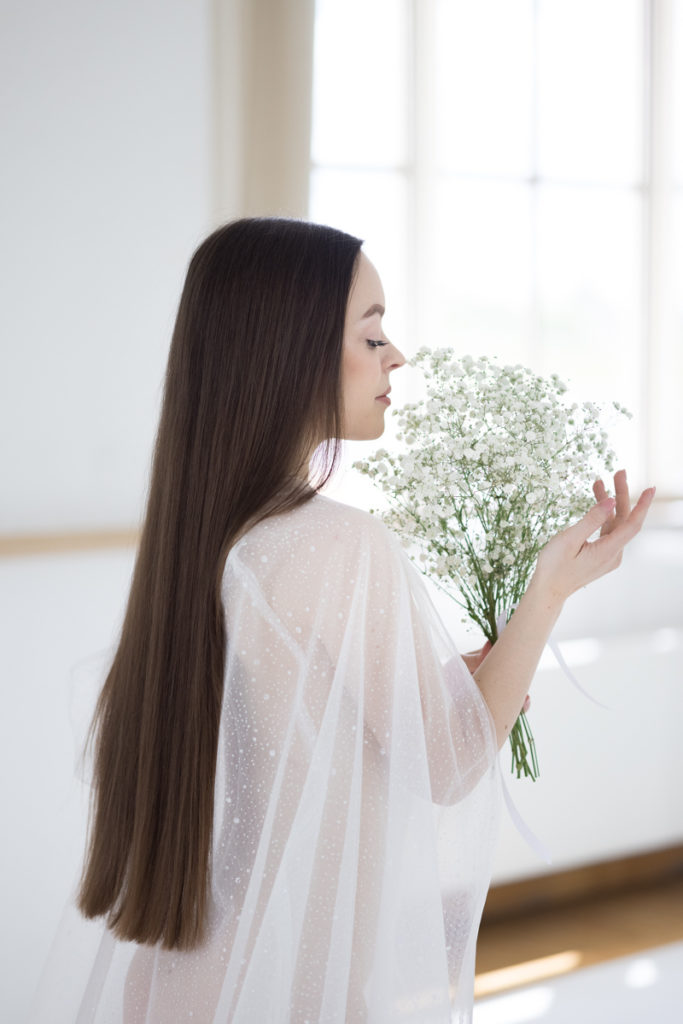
376,344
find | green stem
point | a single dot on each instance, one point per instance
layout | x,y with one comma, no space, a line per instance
523,748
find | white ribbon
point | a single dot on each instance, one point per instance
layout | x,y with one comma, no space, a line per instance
552,644
501,623
531,839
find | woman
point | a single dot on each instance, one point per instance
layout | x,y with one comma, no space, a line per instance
294,780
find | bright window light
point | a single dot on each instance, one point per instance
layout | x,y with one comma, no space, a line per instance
516,169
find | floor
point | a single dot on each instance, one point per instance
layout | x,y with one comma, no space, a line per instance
644,988
608,961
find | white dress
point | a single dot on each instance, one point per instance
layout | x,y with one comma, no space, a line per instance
356,804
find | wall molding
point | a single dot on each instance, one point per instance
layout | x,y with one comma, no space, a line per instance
21,545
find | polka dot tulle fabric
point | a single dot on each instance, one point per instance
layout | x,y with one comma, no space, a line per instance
355,804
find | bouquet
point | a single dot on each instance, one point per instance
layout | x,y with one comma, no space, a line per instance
496,460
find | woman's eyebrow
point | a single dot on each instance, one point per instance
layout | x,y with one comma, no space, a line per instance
376,308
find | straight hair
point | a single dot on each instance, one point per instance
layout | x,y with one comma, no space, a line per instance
253,384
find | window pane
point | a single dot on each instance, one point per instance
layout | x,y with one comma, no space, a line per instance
484,81
667,416
589,261
677,106
482,270
590,89
371,205
360,82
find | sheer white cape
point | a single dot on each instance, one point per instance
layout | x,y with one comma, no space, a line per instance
355,812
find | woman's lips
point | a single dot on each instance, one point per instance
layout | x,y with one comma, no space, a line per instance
384,398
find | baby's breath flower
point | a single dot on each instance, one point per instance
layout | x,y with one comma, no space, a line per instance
495,460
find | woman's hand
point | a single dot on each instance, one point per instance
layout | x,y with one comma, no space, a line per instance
570,561
473,659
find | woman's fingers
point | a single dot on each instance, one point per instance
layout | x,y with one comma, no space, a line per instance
623,508
595,519
599,491
623,526
569,561
473,659
629,522
623,501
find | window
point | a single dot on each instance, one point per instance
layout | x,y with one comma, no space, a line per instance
514,169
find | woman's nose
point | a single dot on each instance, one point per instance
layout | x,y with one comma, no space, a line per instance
397,358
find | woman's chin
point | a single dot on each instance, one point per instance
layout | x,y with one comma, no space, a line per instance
371,434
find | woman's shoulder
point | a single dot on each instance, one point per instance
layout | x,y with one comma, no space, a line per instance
319,530
309,561
326,513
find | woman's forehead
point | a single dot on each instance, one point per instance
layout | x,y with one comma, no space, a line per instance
367,295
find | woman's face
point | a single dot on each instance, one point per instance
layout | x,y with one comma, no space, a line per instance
368,357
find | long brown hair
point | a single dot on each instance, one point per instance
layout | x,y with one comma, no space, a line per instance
253,382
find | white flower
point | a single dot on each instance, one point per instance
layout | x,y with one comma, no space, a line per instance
493,461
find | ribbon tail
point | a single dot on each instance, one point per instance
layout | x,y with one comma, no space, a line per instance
530,838
570,675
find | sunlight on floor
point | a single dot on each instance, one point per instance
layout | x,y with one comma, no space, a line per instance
526,973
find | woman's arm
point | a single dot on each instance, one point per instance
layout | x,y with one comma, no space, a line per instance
567,563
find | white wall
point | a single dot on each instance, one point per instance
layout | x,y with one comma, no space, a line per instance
54,612
106,190
610,778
